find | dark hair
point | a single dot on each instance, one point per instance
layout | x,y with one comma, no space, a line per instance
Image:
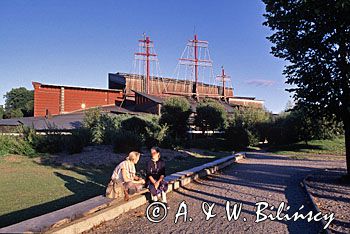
156,148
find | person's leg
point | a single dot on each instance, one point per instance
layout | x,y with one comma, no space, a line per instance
164,200
134,188
164,197
153,191
164,188
126,190
154,198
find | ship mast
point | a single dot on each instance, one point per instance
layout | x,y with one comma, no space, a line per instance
146,55
196,61
223,78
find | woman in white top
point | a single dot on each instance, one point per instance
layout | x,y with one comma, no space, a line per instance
125,173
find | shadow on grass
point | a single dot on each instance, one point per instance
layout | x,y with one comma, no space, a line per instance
93,185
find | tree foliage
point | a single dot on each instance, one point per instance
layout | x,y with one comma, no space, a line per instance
2,112
246,127
314,37
210,115
249,117
19,99
175,113
14,113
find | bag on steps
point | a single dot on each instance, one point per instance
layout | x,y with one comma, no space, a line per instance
115,190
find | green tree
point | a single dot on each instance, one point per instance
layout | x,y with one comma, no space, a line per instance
13,113
249,117
19,99
210,115
175,113
313,36
92,121
2,112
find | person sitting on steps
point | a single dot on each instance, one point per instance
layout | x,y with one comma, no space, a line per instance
155,177
125,173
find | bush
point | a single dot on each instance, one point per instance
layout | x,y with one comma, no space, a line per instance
210,115
300,125
76,142
136,124
29,134
126,141
147,128
254,120
49,143
249,117
54,142
209,143
156,134
102,126
175,113
253,139
236,137
15,145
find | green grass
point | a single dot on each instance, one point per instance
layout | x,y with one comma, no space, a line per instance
315,147
193,160
29,189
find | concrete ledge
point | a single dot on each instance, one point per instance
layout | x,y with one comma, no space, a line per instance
86,223
58,217
307,189
85,215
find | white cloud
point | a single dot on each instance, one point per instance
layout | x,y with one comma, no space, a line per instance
261,82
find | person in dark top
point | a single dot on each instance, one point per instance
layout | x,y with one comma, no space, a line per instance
155,177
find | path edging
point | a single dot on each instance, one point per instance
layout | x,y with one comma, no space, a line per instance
315,206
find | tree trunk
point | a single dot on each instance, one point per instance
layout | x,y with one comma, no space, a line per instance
345,85
347,144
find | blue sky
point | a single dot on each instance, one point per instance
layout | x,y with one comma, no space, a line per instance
80,42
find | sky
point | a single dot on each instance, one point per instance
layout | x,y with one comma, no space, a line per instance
79,42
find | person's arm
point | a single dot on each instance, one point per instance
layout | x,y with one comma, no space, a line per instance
148,173
161,178
114,174
153,181
162,171
139,179
125,178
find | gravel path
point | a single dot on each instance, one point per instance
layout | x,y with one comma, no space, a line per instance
332,195
260,177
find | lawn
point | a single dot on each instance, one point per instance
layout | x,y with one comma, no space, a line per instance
30,188
315,147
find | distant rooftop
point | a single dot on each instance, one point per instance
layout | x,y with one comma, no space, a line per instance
63,122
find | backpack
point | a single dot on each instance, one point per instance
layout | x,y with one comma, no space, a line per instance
115,190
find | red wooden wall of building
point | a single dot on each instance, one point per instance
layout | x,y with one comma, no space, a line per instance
55,99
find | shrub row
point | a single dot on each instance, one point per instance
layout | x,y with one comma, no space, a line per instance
244,127
15,145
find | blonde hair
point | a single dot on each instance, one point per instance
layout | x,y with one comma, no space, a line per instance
133,155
